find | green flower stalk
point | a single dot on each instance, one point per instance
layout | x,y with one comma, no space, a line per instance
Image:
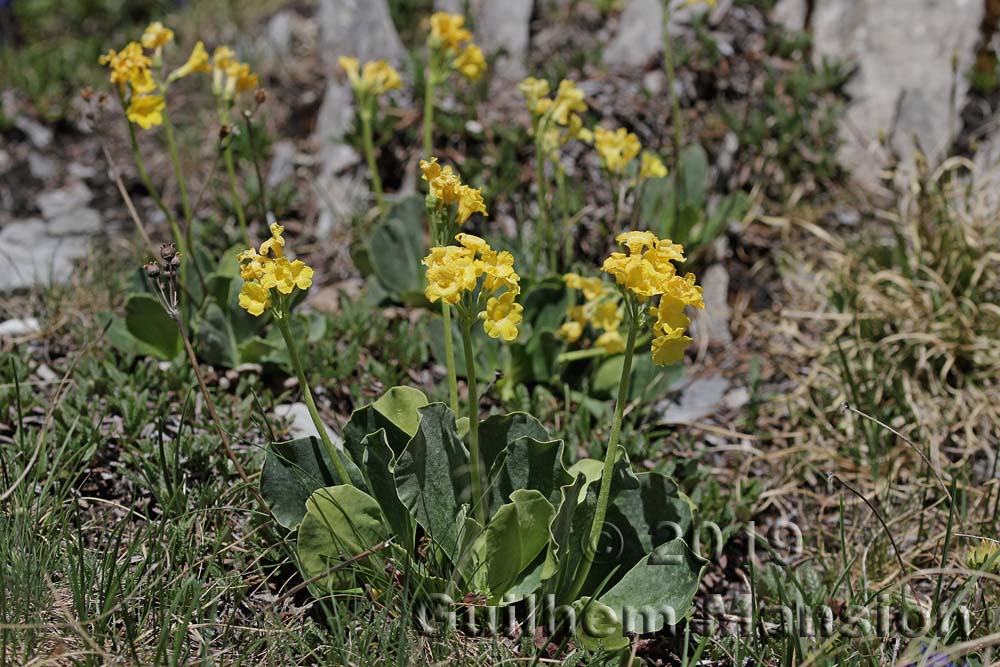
369,83
646,272
269,279
481,284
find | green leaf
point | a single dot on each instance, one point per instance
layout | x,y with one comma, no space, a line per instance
514,538
432,476
598,627
340,522
155,333
496,432
529,464
568,533
376,465
397,412
292,472
395,249
217,342
658,590
694,176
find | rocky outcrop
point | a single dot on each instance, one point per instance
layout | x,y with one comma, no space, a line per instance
911,56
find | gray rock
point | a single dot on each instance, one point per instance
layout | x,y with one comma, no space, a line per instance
640,35
790,13
77,222
19,327
336,113
300,424
54,203
903,86
504,25
282,163
34,257
81,171
361,28
713,322
41,167
39,135
450,6
699,399
5,161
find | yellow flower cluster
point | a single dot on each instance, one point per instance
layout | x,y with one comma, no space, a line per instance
601,309
132,71
229,75
456,270
564,109
447,188
448,34
648,270
268,270
377,77
616,147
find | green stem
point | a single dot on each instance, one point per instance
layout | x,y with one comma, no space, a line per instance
153,192
449,354
178,170
261,186
576,355
542,233
676,119
478,500
603,497
369,146
429,114
227,157
293,354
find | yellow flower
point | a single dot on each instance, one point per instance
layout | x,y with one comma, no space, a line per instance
978,556
669,350
262,273
570,331
502,315
470,200
569,99
651,166
534,90
156,36
637,242
617,148
471,63
576,130
606,315
276,243
126,65
289,275
222,57
242,76
146,110
196,62
444,184
449,30
451,270
352,66
499,270
254,298
611,341
379,77
142,82
472,242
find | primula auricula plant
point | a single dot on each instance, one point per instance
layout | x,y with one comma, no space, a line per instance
269,282
449,49
370,82
142,80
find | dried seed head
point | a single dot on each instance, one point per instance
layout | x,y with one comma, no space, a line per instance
260,96
175,261
224,131
168,251
152,269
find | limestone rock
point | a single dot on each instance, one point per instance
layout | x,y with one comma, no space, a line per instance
34,256
903,87
504,25
54,203
361,28
300,424
713,322
640,36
